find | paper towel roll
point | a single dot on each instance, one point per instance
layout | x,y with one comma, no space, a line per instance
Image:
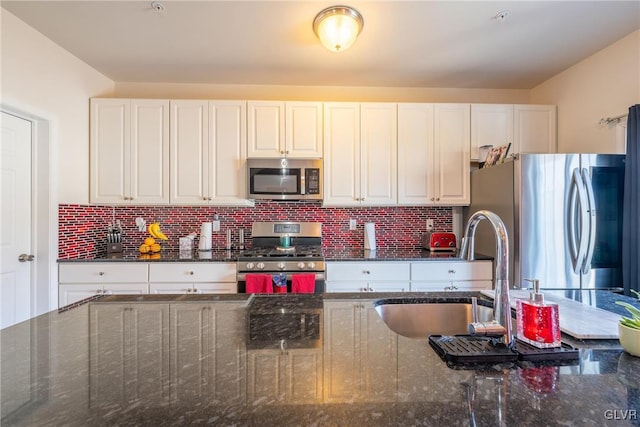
370,236
205,236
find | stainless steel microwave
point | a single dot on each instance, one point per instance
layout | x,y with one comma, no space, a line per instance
284,179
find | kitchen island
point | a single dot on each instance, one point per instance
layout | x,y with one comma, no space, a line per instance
218,359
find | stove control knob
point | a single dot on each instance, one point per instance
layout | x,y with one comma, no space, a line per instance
250,266
301,265
260,266
311,265
281,265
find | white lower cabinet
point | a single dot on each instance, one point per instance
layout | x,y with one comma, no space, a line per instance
360,354
180,278
451,275
208,360
78,281
284,376
377,276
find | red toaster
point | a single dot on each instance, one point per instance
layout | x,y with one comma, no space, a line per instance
437,241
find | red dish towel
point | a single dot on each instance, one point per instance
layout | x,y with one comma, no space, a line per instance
304,283
259,284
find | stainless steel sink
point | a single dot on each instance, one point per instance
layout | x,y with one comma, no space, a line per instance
419,318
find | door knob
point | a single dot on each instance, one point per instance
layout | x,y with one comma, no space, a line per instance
25,257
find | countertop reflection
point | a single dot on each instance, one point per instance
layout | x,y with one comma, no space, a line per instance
178,363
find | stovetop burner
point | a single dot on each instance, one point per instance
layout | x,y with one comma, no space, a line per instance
293,251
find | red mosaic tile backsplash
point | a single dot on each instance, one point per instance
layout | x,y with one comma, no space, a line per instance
82,228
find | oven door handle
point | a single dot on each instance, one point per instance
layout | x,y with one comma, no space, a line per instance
241,277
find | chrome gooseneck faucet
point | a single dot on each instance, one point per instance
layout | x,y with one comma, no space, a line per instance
500,326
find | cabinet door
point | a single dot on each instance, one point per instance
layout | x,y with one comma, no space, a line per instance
149,173
228,152
534,129
491,124
208,356
110,150
189,152
303,134
266,129
378,154
415,154
452,148
341,154
128,354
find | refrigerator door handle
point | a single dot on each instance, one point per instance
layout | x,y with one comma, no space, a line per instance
577,241
591,212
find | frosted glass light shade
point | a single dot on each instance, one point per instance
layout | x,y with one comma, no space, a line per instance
337,27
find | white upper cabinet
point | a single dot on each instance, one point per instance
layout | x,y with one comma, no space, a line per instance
534,129
360,154
491,124
452,143
208,152
433,154
342,154
415,154
284,129
529,128
129,146
378,154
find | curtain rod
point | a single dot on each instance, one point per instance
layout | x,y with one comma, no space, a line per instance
609,120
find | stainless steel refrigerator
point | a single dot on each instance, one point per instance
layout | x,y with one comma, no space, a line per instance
563,213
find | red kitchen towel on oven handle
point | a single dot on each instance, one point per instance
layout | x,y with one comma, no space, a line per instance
303,283
258,284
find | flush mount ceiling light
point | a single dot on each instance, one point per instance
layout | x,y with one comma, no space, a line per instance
337,27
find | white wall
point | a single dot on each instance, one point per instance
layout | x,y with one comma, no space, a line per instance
603,85
320,93
41,78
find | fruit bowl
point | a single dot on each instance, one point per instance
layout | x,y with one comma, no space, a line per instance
629,339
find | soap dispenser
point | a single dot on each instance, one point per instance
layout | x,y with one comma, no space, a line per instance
538,322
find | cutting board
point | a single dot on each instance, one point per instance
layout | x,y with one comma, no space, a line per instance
576,319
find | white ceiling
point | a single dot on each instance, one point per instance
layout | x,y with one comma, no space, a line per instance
404,43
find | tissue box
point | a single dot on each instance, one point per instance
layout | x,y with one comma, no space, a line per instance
186,244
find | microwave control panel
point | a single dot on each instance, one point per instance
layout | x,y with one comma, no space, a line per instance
312,180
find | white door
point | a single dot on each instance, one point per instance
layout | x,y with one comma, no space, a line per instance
15,227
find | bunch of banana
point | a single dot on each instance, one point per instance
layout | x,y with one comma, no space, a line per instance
154,230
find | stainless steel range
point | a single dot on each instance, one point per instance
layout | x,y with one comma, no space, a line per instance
286,248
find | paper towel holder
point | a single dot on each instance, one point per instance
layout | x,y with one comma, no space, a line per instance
370,236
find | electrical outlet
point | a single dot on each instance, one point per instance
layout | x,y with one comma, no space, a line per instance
429,224
352,224
216,225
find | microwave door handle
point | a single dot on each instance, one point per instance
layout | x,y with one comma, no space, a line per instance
591,215
577,212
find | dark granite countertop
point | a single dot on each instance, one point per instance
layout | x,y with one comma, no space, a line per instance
164,363
330,254
390,254
218,255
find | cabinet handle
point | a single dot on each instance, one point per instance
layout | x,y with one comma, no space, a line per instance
437,199
191,273
432,199
371,289
194,290
101,273
286,152
366,272
209,199
452,272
